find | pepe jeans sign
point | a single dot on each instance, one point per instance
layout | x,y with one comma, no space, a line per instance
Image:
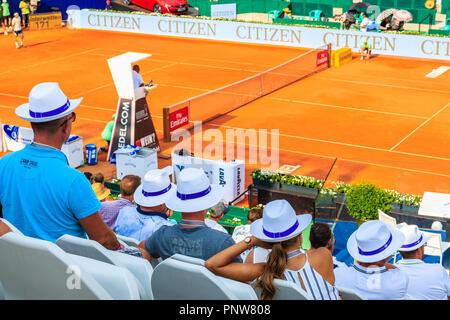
259,33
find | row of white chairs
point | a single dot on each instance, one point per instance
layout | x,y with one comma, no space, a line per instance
76,268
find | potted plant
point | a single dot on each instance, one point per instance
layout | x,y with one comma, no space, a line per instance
326,197
410,203
341,190
301,184
266,178
364,200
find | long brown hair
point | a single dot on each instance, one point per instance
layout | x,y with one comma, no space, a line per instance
274,268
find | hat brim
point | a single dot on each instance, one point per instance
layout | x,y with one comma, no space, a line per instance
426,237
23,111
176,204
256,229
144,201
397,241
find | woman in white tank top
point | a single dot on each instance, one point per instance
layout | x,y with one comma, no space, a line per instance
279,230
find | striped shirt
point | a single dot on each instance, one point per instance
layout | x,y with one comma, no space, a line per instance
110,210
314,283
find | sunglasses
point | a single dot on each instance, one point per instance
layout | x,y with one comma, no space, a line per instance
73,117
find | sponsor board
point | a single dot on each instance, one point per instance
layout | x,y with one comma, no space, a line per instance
179,118
223,11
259,33
123,126
322,57
41,21
144,130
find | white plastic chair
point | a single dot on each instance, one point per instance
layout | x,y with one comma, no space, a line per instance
11,226
240,289
139,267
127,240
386,218
174,279
287,290
38,269
349,294
435,246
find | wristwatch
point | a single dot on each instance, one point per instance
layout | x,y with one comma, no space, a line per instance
248,240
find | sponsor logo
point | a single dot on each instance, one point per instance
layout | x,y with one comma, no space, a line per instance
179,118
322,58
222,181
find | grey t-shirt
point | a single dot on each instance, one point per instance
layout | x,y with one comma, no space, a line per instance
200,242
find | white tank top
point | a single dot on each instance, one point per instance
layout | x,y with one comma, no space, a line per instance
314,283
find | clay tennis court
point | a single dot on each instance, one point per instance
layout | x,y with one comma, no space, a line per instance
383,119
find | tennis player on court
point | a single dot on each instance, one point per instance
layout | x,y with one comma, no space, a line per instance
17,27
366,50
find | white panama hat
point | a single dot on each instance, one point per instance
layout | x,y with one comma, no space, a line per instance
414,238
194,192
46,103
155,188
374,241
279,222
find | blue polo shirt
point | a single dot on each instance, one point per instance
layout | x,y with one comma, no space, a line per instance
42,196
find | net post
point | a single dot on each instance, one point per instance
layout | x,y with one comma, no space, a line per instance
329,54
166,124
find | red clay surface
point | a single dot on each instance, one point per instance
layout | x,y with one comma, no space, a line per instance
383,119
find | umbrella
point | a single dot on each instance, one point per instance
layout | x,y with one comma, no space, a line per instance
402,16
384,14
360,6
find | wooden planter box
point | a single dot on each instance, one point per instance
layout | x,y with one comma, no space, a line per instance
275,185
411,209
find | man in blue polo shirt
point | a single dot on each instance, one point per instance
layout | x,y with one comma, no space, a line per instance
40,193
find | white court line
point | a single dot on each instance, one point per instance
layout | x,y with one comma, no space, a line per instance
391,78
111,83
357,161
184,57
311,154
342,143
420,126
380,84
349,108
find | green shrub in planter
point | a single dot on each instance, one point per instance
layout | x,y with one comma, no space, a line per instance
266,178
364,200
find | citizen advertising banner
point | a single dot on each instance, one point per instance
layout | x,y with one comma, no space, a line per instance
382,43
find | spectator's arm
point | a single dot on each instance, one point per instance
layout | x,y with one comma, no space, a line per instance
4,228
221,264
145,254
97,230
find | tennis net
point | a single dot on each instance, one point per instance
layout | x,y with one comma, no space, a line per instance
215,103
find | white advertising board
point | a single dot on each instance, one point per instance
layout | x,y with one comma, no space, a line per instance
227,10
259,33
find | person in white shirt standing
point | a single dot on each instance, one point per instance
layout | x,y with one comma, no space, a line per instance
427,281
372,245
364,23
17,27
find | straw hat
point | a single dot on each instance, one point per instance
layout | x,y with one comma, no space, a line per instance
100,191
414,238
279,222
374,241
46,103
194,192
155,189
